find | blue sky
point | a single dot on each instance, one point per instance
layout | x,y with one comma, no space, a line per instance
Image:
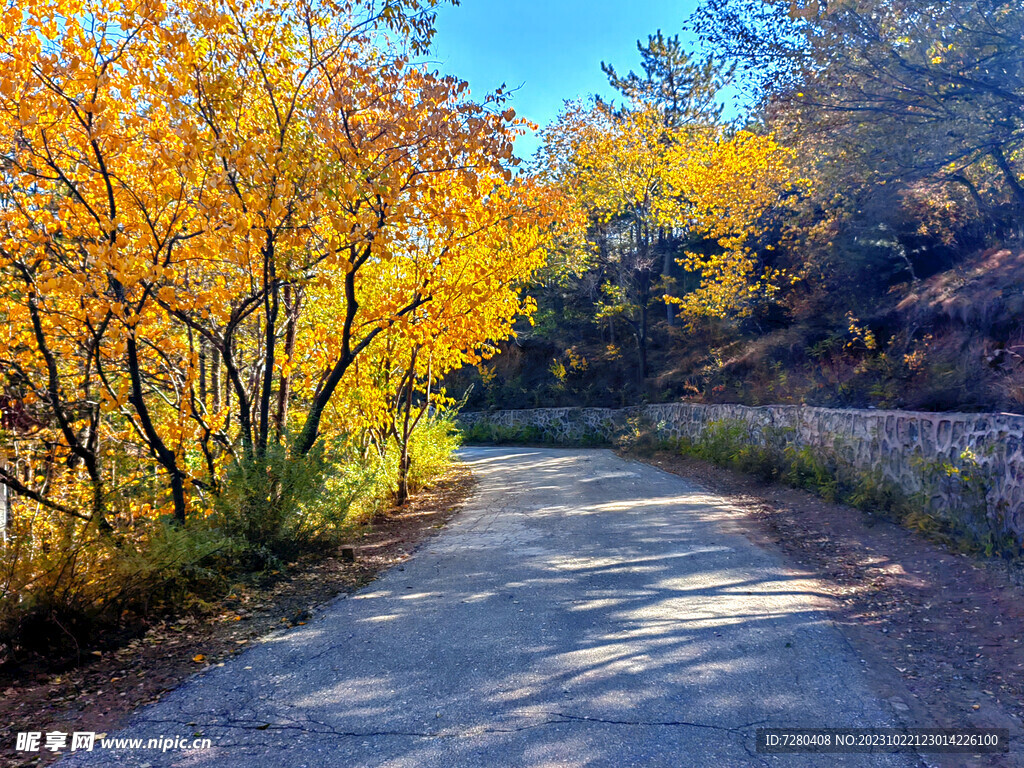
553,49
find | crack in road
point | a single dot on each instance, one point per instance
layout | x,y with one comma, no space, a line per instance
555,718
658,723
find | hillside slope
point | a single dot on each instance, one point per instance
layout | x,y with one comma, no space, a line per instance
952,341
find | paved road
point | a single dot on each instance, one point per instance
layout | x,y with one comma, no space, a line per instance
581,611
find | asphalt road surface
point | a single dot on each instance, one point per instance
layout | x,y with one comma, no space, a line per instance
582,610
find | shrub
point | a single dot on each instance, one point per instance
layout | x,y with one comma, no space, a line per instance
264,506
803,467
433,444
61,579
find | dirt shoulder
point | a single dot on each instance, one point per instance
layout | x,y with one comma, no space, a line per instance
942,634
100,695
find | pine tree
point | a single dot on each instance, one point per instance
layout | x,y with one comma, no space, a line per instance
683,89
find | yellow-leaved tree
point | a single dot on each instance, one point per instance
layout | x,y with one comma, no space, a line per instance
721,187
209,214
645,184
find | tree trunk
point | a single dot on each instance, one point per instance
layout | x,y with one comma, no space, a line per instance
403,476
644,300
641,340
1011,177
5,511
349,350
404,461
159,449
271,305
215,379
284,387
202,370
666,273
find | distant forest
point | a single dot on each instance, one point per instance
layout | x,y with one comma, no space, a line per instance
853,239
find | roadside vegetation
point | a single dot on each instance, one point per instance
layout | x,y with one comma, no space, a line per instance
950,506
240,244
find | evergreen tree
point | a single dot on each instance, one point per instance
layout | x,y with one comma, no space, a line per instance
684,90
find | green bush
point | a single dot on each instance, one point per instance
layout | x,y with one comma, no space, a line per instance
261,507
803,467
433,444
731,443
275,510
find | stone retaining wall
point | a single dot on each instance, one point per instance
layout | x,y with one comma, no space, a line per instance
906,448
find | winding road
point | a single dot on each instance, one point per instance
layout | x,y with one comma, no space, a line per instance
582,610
